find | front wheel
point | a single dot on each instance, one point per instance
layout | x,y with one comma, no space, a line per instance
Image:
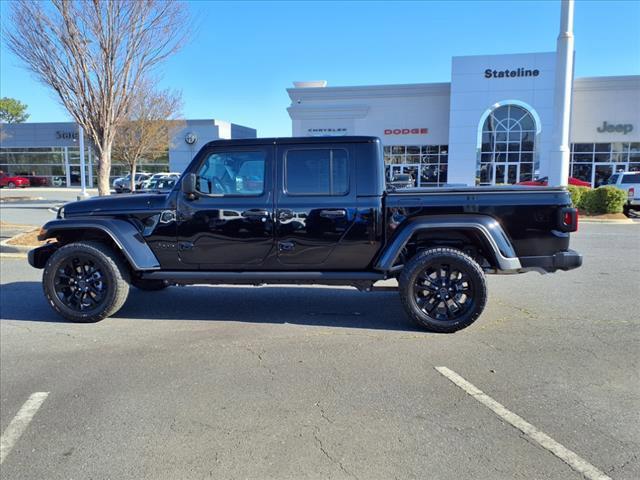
11,185
86,281
443,289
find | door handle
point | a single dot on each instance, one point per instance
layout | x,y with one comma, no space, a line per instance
255,213
286,246
333,213
285,215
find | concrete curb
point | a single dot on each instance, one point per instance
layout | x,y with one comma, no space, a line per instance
13,255
627,221
21,249
20,199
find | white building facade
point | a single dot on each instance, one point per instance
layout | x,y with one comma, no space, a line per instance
492,124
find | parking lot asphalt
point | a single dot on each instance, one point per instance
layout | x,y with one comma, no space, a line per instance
314,382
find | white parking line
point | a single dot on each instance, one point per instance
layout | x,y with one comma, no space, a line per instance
20,423
572,459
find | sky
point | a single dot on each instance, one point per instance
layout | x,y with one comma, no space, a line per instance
242,56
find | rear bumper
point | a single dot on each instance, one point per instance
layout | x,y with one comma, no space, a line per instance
566,260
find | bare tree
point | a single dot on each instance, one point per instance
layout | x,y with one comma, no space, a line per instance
146,132
95,54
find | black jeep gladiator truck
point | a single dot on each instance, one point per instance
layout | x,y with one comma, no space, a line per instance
304,211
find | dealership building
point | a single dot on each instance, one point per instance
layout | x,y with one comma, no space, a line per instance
492,124
51,150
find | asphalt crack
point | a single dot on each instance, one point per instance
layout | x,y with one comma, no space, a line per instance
328,455
323,414
261,361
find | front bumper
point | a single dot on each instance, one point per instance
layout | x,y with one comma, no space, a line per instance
566,260
38,256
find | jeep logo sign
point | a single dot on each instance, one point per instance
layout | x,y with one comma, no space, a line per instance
622,128
406,131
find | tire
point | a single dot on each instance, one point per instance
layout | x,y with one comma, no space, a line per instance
626,209
93,268
149,285
458,298
11,185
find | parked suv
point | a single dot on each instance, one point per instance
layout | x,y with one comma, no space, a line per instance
304,211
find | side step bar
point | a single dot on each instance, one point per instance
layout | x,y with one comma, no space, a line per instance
360,280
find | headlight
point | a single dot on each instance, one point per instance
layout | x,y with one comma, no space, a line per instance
60,213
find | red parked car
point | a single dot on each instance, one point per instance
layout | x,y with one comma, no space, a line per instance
10,181
542,182
36,181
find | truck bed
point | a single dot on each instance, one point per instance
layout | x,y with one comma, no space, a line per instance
528,214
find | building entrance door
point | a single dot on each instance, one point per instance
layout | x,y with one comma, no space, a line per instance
506,173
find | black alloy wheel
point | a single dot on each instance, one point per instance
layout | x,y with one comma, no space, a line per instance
80,283
443,289
86,281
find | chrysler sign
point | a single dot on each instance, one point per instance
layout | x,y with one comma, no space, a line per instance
406,131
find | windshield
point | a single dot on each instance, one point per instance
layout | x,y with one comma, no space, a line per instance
613,179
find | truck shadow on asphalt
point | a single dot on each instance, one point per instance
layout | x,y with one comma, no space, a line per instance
329,307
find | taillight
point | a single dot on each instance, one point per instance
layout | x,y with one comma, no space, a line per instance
569,219
631,193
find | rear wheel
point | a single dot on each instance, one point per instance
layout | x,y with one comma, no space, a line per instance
443,289
86,281
11,185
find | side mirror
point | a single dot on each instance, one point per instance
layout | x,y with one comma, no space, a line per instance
189,184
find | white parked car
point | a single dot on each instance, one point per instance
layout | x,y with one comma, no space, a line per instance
157,176
629,181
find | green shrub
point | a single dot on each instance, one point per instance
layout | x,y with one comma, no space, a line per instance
601,200
576,194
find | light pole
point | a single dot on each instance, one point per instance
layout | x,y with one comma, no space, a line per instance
83,182
559,154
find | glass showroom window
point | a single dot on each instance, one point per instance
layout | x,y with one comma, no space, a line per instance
596,162
42,165
427,164
507,146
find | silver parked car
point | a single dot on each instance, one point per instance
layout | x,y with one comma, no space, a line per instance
123,184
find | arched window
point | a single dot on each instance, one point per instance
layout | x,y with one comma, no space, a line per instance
507,146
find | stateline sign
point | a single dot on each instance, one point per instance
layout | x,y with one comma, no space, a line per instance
518,72
62,135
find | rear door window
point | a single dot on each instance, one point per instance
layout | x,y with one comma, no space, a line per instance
317,171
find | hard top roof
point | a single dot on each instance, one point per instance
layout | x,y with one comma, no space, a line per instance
292,141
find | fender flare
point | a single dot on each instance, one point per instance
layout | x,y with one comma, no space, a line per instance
488,227
127,238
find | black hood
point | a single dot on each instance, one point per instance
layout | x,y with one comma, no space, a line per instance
113,204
